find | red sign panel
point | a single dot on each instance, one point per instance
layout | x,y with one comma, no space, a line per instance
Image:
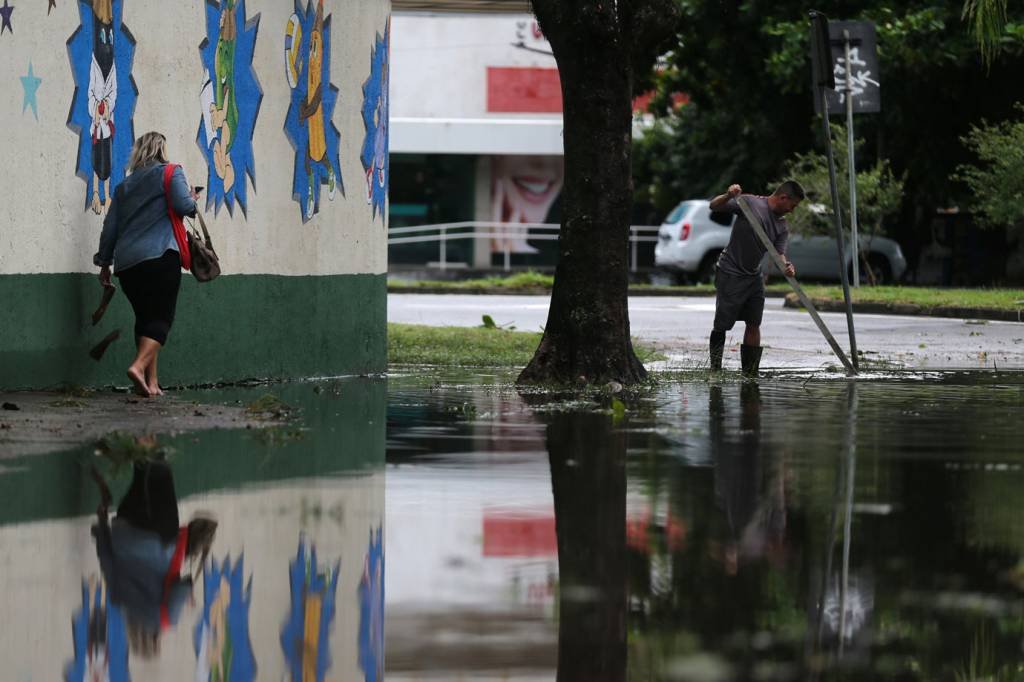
517,90
519,536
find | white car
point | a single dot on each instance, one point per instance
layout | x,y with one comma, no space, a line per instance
692,237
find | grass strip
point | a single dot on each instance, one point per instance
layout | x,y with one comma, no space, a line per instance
414,344
926,297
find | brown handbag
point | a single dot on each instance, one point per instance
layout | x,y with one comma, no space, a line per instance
205,262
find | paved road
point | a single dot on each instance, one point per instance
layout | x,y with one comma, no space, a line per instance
680,327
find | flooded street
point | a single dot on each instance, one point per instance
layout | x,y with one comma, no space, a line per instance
801,528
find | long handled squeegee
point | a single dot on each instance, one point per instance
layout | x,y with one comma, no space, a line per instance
755,223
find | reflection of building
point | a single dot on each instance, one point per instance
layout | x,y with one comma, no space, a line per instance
476,127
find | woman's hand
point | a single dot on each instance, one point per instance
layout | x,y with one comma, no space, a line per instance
105,276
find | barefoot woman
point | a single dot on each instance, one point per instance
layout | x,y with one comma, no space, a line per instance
138,240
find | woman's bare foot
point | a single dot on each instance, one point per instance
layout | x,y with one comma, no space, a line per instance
138,381
154,389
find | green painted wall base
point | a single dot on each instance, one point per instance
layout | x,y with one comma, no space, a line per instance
234,328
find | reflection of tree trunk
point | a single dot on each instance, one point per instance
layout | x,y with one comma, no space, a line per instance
589,480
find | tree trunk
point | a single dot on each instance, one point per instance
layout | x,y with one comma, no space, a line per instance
596,44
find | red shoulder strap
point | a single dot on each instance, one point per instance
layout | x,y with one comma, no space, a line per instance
180,236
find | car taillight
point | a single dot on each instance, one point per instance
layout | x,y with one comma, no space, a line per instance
684,232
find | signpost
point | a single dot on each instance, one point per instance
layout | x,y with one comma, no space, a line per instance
858,90
824,80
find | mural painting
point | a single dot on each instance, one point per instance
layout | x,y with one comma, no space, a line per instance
305,635
229,102
101,642
101,51
222,644
30,83
375,118
5,17
371,610
523,190
308,125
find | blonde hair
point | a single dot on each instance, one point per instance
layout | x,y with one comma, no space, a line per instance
148,149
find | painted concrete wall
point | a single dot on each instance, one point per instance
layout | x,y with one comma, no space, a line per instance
303,290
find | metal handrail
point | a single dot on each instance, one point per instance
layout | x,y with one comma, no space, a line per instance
499,230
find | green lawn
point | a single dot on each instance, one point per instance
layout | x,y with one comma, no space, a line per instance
412,344
928,297
1000,299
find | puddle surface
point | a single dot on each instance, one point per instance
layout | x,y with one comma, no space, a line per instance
799,529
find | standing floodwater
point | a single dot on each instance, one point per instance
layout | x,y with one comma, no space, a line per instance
447,527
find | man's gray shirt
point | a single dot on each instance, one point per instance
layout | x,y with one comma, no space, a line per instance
742,256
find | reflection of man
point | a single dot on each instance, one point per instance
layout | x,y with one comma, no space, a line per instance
142,553
748,484
523,190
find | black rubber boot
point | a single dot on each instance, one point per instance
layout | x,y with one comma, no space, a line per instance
750,359
717,347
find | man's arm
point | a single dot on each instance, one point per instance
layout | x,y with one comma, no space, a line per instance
719,202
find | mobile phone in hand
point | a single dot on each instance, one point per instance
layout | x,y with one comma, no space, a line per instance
198,188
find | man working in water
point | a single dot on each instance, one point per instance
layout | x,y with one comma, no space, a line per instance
739,282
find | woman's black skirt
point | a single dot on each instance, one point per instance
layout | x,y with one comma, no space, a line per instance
152,289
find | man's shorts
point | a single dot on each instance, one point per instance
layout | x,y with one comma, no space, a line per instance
738,298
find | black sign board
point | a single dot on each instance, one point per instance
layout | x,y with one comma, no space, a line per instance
864,87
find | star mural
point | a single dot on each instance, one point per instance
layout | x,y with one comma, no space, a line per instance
30,83
5,16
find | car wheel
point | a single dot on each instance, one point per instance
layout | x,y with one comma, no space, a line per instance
880,268
706,270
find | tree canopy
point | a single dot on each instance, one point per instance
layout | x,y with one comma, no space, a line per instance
746,69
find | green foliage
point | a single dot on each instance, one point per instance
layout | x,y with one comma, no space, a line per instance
879,190
997,181
986,19
746,69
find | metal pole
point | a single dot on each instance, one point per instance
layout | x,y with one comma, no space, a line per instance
755,225
632,249
443,247
852,164
839,227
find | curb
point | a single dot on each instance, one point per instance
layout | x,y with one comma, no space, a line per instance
833,306
533,291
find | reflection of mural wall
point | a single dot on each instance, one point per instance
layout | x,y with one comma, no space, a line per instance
523,189
101,644
371,610
308,124
375,117
101,51
305,636
229,102
223,649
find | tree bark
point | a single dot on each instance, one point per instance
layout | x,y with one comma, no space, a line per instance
597,44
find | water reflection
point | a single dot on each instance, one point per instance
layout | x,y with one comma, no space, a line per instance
734,531
144,554
238,555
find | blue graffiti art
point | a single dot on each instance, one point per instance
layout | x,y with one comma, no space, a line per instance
375,118
223,648
101,641
371,611
308,125
229,101
101,51
305,637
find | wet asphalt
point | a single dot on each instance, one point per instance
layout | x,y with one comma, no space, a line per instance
679,327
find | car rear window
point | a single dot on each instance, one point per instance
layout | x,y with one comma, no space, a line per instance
679,212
